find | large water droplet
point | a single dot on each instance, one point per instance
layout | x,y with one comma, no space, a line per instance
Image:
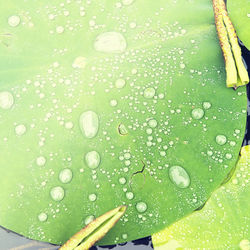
6,100
244,244
92,197
179,176
129,195
149,93
40,161
42,217
89,124
110,42
65,175
221,139
141,207
122,129
92,159
57,193
197,113
122,180
152,123
20,129
89,219
14,21
120,83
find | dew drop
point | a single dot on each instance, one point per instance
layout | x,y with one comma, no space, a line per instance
141,207
207,105
92,159
149,93
221,139
122,129
89,219
197,113
179,176
244,244
40,161
152,123
124,236
20,129
57,193
79,63
122,180
92,197
14,21
6,100
129,195
89,124
65,176
113,103
120,83
110,42
42,217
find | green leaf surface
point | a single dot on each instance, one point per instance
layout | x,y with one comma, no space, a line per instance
224,221
239,12
104,103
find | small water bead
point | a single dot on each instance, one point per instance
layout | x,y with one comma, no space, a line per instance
40,161
127,2
149,131
92,197
42,217
20,129
124,236
141,207
110,42
152,123
6,100
221,139
129,195
57,193
122,180
207,105
122,129
89,219
65,176
229,156
179,176
149,93
197,113
14,21
120,83
113,103
127,156
92,159
89,124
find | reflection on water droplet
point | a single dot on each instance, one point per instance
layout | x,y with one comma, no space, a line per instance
122,129
89,124
149,93
89,219
42,217
110,42
120,83
14,21
141,207
20,129
129,195
221,139
6,100
40,161
207,105
65,175
179,176
92,197
197,113
92,159
57,193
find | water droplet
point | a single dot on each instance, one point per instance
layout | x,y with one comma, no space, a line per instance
89,124
92,159
65,175
113,103
149,93
57,193
92,197
152,123
124,236
129,195
120,83
207,105
127,2
40,161
14,21
244,244
110,42
122,180
42,217
89,219
141,207
20,129
122,129
229,156
79,63
221,139
197,113
127,156
179,176
6,100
